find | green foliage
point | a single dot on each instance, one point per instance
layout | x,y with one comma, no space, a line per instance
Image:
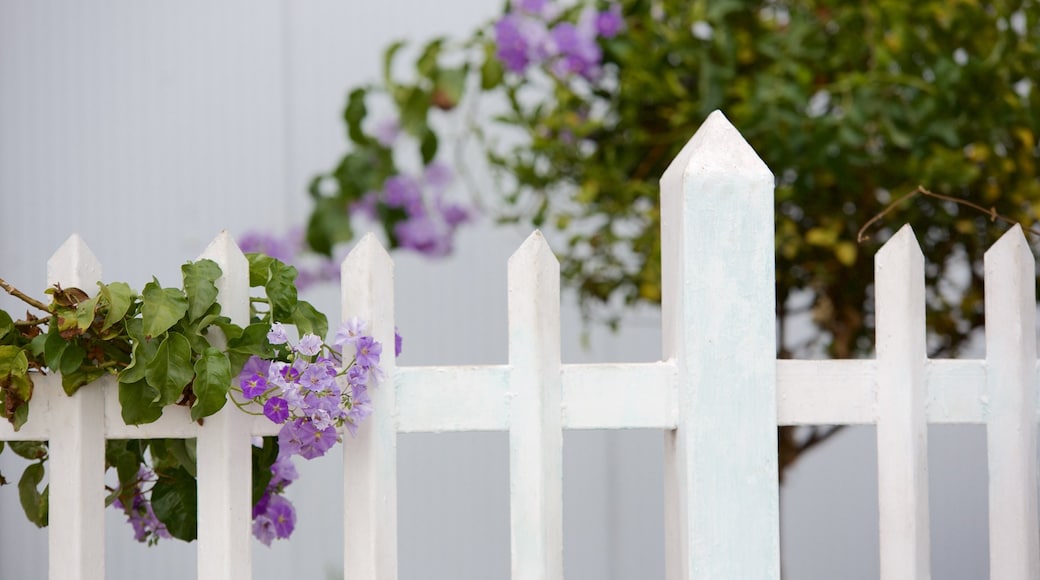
850,105
158,345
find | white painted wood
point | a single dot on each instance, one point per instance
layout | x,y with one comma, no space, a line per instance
1014,542
719,327
370,460
902,430
224,455
619,396
447,399
956,391
826,392
535,430
77,446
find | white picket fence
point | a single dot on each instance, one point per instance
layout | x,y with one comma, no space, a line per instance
718,395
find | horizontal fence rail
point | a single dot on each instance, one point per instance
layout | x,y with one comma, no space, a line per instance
718,394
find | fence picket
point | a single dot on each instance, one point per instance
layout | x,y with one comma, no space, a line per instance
535,432
370,460
720,325
224,457
1011,423
719,394
902,429
77,447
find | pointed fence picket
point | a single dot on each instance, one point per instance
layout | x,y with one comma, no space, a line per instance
718,394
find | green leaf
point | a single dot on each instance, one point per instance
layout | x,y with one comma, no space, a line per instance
16,386
491,72
72,358
53,349
428,146
212,381
12,361
451,83
175,503
119,297
427,63
329,224
34,503
142,354
31,450
281,291
388,61
309,321
199,286
73,380
253,340
138,402
6,324
414,104
126,457
354,114
21,415
259,268
161,308
85,312
263,458
183,450
171,370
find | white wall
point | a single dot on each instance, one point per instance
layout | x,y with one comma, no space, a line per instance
147,128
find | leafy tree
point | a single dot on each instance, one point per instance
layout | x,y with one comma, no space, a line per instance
852,105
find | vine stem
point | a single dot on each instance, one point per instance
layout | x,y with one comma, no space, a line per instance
34,322
22,296
242,406
861,235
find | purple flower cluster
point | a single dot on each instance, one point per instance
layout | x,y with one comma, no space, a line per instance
532,34
291,249
430,219
302,394
147,527
274,516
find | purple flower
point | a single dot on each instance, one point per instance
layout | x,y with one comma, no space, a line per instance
314,442
263,529
318,377
349,331
512,46
289,438
356,375
283,471
609,22
284,249
282,516
403,191
254,386
438,175
147,527
423,235
368,351
453,214
360,408
309,345
255,366
276,409
397,343
277,334
577,50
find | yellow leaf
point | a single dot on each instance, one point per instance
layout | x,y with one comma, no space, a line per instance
821,237
846,253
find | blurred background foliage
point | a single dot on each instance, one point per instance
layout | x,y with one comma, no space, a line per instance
852,105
